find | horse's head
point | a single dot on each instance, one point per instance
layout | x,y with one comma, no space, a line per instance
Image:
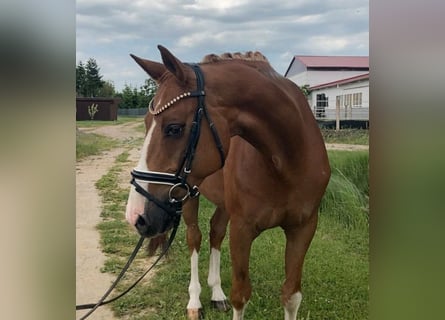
172,162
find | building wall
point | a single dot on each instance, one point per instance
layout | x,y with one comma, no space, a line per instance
339,94
106,108
296,67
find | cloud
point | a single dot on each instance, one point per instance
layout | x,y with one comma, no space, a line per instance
109,30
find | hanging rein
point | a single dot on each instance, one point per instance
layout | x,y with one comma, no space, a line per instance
173,207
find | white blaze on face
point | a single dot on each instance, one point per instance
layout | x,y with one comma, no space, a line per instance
136,202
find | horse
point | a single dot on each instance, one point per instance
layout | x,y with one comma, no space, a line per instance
234,129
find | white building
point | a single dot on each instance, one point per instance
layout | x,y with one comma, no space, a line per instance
338,85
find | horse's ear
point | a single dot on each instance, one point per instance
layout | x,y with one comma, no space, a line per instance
173,64
154,69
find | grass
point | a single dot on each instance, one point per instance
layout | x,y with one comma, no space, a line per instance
88,144
347,195
346,136
335,279
98,123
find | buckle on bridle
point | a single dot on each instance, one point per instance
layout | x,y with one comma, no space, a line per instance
194,192
172,198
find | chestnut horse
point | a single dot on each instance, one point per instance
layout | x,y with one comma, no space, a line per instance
237,113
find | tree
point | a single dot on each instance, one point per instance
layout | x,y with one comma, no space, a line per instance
89,81
80,79
93,79
305,90
131,97
107,89
149,88
127,98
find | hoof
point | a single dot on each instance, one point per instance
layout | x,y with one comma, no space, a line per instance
195,314
223,305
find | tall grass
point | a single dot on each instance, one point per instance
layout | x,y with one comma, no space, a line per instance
347,136
347,195
335,277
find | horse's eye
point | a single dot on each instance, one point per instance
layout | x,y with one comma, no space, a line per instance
174,130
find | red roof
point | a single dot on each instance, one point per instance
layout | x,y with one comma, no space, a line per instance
334,61
341,81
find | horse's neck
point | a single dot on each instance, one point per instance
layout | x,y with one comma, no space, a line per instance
271,123
277,139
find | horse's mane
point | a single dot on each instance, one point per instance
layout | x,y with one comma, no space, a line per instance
254,59
248,56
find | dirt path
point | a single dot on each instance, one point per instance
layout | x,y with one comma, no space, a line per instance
91,284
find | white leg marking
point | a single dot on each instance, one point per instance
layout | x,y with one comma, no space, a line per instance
136,202
214,279
239,314
291,308
195,286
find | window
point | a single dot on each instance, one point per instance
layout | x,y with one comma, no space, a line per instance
357,100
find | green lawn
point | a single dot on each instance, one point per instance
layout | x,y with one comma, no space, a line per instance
336,272
88,144
97,123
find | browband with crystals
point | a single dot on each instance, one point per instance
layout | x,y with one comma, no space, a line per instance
167,105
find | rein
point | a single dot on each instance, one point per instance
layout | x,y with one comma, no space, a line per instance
173,207
101,302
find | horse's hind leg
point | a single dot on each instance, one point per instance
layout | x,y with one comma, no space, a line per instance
298,240
218,227
193,235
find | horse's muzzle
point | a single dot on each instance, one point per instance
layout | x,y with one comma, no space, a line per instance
153,224
144,228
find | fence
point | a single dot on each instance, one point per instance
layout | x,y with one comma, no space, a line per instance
341,113
342,116
132,112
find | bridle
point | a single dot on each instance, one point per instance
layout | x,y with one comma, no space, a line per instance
173,205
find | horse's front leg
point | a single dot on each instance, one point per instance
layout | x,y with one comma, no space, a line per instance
218,227
241,238
193,235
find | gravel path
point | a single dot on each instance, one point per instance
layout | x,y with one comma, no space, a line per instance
91,284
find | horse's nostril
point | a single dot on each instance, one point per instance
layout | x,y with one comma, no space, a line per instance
141,221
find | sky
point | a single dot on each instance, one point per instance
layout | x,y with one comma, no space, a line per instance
109,30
